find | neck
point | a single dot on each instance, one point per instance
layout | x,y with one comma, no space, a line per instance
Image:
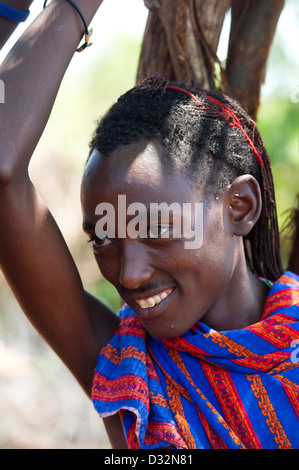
241,305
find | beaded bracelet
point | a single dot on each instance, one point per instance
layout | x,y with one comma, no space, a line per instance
88,32
12,14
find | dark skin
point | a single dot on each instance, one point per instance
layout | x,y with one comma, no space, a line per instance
50,290
202,281
7,27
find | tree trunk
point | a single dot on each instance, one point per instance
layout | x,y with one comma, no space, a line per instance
252,31
181,40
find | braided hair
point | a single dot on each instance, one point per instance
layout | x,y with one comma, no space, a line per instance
202,133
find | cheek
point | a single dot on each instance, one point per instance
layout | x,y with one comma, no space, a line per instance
218,244
213,260
109,267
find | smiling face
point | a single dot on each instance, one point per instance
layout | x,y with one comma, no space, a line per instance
170,287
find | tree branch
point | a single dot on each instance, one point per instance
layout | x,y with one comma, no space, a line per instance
181,39
252,31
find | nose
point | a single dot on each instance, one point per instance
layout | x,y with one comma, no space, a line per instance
135,267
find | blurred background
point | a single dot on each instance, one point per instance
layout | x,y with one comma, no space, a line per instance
41,404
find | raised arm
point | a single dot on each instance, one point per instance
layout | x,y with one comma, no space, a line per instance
33,254
9,19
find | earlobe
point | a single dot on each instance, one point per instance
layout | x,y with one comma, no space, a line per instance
245,204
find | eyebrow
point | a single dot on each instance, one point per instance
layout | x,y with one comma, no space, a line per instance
89,227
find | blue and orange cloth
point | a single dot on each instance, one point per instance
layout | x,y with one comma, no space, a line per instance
207,389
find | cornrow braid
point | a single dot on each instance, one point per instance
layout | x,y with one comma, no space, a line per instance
200,131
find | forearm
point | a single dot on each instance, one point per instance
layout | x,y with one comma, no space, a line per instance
32,73
7,27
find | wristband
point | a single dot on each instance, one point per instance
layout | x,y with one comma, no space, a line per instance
88,32
12,14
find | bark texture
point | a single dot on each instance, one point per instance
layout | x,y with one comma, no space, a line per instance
182,36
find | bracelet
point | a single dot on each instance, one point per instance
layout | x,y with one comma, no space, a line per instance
88,32
11,14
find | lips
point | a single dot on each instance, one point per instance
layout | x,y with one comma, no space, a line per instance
150,302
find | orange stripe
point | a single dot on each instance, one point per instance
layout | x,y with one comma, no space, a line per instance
130,352
214,439
267,410
231,405
178,360
279,300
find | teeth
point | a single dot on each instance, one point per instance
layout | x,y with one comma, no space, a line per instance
157,299
152,301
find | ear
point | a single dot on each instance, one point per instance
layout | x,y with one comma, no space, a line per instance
245,204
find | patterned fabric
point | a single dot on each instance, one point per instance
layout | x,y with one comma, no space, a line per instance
207,389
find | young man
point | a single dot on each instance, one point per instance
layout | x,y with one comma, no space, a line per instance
202,354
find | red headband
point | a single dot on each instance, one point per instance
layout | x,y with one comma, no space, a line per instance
228,114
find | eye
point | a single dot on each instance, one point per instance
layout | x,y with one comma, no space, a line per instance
158,231
98,243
